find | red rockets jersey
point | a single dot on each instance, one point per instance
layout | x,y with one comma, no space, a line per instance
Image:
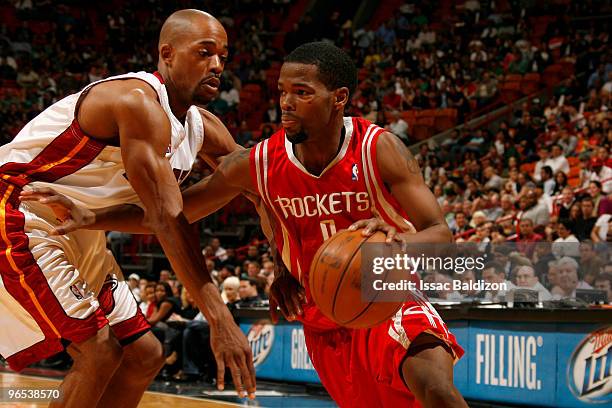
308,209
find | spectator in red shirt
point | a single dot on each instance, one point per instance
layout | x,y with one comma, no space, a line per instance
526,237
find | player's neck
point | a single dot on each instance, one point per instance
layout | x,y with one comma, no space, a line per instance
316,153
177,106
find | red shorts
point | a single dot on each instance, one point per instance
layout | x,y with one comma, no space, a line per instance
361,367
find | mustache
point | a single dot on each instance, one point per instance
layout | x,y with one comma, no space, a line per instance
289,116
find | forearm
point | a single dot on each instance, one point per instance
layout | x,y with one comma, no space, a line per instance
183,252
435,234
124,218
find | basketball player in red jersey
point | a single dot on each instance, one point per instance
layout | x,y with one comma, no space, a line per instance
119,140
325,172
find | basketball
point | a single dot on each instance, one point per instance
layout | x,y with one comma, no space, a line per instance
335,282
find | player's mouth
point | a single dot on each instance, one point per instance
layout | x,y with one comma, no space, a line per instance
288,121
211,84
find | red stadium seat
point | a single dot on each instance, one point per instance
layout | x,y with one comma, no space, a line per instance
445,119
530,83
510,91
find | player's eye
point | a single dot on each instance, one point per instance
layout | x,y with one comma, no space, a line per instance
204,53
302,92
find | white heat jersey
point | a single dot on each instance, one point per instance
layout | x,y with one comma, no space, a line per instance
53,151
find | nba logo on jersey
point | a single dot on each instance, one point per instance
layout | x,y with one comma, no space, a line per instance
355,172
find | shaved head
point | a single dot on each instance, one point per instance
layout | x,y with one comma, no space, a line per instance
182,23
193,50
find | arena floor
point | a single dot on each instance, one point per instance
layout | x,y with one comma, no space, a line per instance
163,394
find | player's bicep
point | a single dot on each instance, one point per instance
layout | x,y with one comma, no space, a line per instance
400,171
144,132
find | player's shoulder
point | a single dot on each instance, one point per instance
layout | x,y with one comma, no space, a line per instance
129,87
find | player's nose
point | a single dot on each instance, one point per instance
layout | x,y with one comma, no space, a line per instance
286,102
215,65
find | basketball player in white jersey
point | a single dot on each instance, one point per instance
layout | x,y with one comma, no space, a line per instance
122,140
326,169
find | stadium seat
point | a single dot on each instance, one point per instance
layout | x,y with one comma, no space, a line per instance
445,119
527,168
530,83
510,91
573,182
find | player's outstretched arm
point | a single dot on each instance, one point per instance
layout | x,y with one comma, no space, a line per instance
144,132
400,171
200,200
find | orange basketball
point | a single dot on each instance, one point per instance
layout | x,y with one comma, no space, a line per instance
335,282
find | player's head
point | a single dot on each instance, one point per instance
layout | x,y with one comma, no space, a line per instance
192,53
315,83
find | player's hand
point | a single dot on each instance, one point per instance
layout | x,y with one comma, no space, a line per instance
370,226
232,350
287,294
70,216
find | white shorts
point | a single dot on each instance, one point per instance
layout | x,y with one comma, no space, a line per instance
56,288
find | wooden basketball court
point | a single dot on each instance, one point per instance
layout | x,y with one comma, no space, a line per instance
149,400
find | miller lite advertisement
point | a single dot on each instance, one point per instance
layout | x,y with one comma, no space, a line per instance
589,374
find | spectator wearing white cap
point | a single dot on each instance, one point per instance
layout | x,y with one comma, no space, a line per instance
133,283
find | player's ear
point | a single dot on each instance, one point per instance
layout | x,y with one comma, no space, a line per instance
341,97
166,53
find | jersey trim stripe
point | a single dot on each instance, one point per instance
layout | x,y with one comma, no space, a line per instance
387,211
8,249
261,163
52,163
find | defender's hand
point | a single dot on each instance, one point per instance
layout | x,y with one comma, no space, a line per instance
231,349
70,215
287,294
370,226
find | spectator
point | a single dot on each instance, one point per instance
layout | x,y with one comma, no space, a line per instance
526,238
537,213
546,177
217,249
249,296
149,303
569,280
558,162
567,244
133,283
229,292
590,264
602,231
399,127
545,160
604,282
273,113
493,180
585,227
526,278
165,276
494,273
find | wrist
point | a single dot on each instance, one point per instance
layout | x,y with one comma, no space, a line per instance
216,312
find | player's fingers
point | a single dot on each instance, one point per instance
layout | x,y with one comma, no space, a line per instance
290,310
236,378
56,200
391,233
282,303
220,373
370,227
296,303
248,376
273,312
65,228
357,225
